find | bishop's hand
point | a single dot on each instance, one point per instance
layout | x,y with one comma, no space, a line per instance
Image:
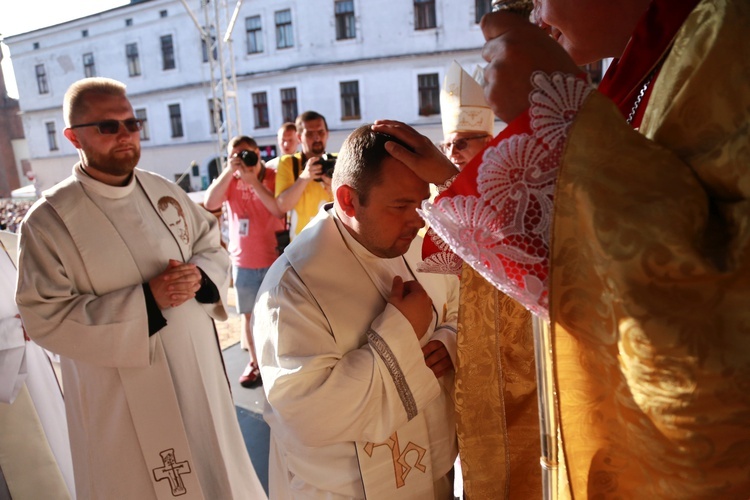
425,159
515,49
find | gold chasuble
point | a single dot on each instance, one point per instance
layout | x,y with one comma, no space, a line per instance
495,392
648,291
651,278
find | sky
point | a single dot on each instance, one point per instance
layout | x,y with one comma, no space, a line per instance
28,15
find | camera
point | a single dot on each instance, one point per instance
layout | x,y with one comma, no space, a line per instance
249,158
327,161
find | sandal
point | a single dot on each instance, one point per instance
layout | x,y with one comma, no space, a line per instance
250,376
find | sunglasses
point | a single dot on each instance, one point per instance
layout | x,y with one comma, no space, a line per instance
111,127
460,144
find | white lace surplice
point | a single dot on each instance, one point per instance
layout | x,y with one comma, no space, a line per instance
503,229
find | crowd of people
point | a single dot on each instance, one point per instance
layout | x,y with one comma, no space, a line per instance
389,292
12,213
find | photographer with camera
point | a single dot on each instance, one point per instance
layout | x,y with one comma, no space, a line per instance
304,179
247,187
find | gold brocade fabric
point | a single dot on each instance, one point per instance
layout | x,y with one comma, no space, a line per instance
495,392
650,284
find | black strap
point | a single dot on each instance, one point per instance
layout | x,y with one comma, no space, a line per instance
295,171
295,166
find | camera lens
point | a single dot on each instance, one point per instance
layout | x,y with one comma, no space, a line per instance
327,162
249,158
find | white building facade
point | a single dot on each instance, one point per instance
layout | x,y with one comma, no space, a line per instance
354,61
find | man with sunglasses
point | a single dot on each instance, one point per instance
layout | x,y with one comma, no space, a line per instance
122,275
467,119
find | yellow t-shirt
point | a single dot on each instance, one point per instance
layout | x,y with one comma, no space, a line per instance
313,197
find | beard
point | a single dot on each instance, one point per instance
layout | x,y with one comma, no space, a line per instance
318,148
120,163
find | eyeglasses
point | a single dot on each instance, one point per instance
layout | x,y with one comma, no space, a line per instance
111,127
460,144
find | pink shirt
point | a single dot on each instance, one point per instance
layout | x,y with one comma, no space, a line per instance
252,228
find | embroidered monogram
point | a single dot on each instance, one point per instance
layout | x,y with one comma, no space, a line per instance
401,467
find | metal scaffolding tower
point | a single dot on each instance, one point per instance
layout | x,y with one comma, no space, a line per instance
216,33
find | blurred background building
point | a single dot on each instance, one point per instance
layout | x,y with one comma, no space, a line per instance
200,71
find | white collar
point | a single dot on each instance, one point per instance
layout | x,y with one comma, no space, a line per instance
100,188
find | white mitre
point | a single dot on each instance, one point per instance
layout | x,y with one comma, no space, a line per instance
462,104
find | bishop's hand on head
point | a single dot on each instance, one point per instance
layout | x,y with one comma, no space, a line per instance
424,158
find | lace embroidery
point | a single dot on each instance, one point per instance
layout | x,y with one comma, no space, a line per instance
503,232
442,262
399,379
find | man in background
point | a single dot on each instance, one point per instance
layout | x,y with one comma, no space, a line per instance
468,121
247,187
287,141
302,185
125,287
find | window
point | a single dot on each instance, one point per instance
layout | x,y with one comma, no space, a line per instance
129,21
260,110
167,52
51,136
36,45
162,13
204,46
345,19
89,69
424,14
141,115
288,105
349,100
254,35
481,7
134,62
429,94
175,120
41,79
284,36
84,33
215,117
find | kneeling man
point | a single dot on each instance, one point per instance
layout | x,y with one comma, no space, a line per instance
356,348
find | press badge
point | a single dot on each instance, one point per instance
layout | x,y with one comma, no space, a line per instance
244,226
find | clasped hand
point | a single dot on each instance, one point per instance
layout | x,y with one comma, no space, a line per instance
413,302
177,284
